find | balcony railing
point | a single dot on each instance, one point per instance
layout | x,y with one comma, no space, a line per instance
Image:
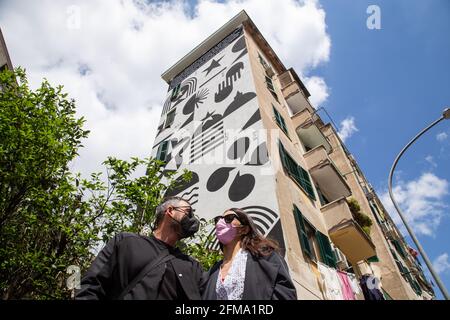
346,233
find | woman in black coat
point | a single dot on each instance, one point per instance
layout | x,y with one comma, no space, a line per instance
251,269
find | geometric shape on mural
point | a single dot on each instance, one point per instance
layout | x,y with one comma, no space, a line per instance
239,100
241,187
181,185
214,64
226,87
239,148
194,101
218,179
259,156
204,141
253,119
239,46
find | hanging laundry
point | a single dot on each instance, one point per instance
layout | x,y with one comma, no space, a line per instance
354,283
346,288
331,282
371,287
320,281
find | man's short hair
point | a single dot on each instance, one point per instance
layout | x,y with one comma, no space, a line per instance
165,203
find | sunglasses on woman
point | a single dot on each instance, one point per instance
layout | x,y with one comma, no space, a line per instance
228,218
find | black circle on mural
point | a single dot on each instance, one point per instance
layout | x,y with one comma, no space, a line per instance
239,148
218,179
241,187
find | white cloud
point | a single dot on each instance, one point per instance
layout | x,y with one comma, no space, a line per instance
421,200
441,263
112,63
441,136
318,90
348,128
431,161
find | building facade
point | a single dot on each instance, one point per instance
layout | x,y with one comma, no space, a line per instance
5,61
242,123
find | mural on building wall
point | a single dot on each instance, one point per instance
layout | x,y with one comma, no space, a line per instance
216,135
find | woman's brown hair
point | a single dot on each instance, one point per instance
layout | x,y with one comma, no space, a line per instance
253,240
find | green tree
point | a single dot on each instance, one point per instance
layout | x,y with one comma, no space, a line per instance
50,218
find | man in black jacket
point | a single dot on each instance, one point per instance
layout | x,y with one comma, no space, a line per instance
133,267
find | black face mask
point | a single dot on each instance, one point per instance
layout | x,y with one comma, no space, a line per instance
188,225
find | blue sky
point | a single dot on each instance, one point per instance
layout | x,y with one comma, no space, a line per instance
381,87
394,82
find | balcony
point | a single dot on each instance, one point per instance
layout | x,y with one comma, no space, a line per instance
346,233
294,92
325,174
307,128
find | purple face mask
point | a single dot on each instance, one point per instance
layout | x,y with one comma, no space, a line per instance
225,232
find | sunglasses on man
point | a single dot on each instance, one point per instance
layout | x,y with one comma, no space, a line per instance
189,212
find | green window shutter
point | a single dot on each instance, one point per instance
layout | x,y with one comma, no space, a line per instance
280,120
326,251
306,182
399,248
282,155
162,151
300,175
300,223
284,126
373,259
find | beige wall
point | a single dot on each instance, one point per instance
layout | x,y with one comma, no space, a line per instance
391,279
287,191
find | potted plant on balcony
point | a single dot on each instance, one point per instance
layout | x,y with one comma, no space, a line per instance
360,217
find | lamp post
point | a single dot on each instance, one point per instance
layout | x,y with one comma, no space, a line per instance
445,115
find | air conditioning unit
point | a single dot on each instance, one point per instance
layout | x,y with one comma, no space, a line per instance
341,260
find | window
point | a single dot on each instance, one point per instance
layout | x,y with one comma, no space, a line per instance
169,119
162,151
312,241
399,247
175,92
302,231
271,87
326,251
280,121
262,61
296,172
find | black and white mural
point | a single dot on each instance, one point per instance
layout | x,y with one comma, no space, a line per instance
218,135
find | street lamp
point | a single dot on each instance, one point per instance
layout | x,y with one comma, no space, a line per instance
445,115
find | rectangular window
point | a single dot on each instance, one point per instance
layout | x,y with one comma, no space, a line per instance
262,61
280,121
399,247
296,172
326,251
170,117
162,150
271,87
175,92
302,231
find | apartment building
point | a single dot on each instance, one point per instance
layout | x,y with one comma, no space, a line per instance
5,61
242,123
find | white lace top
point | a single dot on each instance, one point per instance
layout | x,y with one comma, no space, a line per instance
232,287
